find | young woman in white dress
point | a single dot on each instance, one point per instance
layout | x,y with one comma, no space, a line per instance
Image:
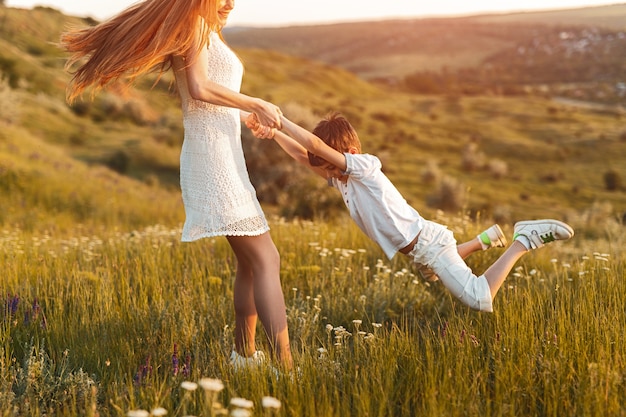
219,200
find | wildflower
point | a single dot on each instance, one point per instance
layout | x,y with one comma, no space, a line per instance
357,322
138,413
211,384
241,403
270,402
240,412
187,365
377,325
159,411
189,386
143,372
175,360
12,303
444,329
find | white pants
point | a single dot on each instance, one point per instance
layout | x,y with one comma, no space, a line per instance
436,248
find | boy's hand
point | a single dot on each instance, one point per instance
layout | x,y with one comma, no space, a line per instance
258,130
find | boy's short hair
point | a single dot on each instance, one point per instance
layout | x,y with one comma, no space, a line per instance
336,132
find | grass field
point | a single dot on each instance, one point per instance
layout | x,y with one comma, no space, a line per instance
114,323
107,313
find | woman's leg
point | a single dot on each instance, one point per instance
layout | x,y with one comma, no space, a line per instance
258,292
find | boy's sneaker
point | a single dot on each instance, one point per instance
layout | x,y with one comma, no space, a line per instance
540,232
492,238
240,363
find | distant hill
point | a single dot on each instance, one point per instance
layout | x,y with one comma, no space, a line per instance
471,55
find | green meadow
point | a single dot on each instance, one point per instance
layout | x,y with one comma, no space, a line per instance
106,313
111,323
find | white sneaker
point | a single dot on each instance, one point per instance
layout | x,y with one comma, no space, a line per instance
540,232
240,363
492,238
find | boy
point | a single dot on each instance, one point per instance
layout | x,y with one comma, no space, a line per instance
333,151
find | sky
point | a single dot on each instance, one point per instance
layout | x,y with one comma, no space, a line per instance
298,12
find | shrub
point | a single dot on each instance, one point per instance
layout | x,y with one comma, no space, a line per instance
473,159
7,67
612,180
498,168
42,386
8,102
450,195
431,173
81,107
119,162
139,112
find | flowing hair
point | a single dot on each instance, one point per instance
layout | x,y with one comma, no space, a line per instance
137,41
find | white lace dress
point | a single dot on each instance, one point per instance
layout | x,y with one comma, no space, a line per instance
217,194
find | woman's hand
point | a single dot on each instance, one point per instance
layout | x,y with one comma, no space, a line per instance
267,114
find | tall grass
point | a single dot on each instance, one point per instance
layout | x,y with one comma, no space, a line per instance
102,325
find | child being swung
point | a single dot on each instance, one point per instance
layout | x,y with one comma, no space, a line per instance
333,151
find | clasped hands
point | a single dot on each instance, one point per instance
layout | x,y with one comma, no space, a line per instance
258,130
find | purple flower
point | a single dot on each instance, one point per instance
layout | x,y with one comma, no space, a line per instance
175,360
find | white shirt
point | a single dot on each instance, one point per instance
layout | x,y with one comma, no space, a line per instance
376,205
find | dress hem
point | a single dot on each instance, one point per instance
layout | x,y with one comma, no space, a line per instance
218,234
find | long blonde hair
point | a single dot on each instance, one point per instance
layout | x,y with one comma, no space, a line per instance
139,40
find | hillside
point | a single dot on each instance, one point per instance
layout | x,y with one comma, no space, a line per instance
504,156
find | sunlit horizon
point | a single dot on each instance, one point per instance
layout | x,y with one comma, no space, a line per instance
285,13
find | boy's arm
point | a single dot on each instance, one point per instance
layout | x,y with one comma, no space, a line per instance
288,144
313,144
296,151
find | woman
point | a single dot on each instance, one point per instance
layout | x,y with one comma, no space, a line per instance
219,200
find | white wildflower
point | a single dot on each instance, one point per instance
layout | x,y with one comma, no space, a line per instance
211,384
241,402
138,413
159,411
189,386
240,412
270,402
